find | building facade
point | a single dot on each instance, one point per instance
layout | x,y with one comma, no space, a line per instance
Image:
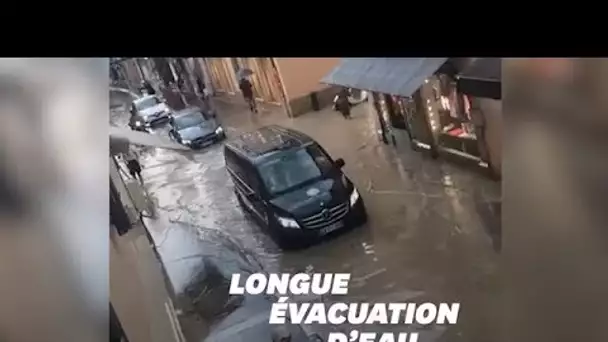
434,105
481,81
292,83
125,72
141,304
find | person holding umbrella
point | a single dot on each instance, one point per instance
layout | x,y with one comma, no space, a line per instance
247,89
342,103
145,85
133,165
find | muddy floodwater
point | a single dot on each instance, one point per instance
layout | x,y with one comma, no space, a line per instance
431,236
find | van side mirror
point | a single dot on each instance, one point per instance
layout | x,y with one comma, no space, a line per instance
339,163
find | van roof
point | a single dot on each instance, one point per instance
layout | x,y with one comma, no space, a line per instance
268,139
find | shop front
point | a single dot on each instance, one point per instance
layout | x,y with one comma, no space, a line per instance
400,123
453,121
437,118
394,84
418,103
481,82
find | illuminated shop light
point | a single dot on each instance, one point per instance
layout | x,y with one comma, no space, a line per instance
433,124
445,103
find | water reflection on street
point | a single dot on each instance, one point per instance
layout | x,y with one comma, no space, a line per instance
429,237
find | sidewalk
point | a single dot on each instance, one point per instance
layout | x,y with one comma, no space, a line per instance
137,289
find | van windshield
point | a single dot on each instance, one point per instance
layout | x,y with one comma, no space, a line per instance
287,170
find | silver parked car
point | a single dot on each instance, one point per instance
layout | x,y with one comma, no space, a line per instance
150,109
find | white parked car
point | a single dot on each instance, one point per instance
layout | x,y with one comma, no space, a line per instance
150,109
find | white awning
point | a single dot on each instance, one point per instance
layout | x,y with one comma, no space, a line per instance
395,76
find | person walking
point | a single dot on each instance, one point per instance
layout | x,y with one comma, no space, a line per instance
202,89
343,104
247,90
180,83
148,88
133,165
201,85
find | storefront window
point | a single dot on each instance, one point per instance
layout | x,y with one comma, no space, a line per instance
454,111
455,130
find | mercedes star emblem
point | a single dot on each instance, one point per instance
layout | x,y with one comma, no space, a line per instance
325,213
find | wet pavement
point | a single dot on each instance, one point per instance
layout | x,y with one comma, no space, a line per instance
433,232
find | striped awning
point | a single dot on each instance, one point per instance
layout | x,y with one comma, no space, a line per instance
395,76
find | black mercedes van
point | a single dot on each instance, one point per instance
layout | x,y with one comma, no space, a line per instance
292,186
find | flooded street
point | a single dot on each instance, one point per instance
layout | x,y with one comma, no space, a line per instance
432,235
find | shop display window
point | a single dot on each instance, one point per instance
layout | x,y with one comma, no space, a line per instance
454,111
456,130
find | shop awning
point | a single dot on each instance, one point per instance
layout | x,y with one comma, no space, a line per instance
482,78
395,76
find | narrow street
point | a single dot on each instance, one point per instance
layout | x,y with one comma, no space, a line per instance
433,233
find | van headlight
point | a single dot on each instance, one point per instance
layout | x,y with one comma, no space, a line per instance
184,141
354,197
219,130
288,222
137,123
